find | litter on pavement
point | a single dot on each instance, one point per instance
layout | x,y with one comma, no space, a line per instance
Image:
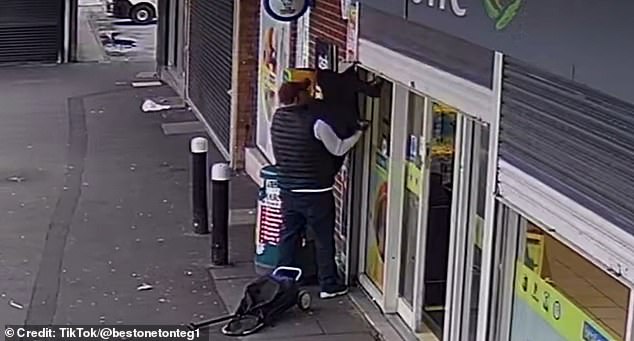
144,287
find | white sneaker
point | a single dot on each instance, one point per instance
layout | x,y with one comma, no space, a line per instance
336,292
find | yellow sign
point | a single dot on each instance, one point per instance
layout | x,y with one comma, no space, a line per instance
413,175
442,148
560,313
479,231
444,109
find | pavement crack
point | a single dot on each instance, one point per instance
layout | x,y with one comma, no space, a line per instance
43,304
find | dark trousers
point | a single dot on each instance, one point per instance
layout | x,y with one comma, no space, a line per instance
316,210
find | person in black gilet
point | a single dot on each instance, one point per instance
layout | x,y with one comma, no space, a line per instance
307,152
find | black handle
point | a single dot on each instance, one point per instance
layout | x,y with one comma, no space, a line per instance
209,322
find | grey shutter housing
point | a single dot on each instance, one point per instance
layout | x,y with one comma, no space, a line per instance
572,138
210,66
31,30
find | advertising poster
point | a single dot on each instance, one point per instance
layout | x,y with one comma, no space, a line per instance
541,312
535,252
341,223
302,53
378,223
273,60
352,35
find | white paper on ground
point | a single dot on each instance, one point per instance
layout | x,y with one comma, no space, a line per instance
151,106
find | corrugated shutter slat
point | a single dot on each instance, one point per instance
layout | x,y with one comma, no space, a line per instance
572,138
211,46
31,30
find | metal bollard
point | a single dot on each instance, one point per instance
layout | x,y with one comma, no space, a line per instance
199,148
220,176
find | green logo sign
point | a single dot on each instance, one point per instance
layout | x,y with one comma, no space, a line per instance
502,11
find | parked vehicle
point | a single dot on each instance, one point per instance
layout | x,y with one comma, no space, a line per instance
140,11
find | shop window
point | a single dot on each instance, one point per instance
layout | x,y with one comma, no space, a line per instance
560,295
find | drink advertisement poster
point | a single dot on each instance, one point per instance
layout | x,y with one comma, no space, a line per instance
273,60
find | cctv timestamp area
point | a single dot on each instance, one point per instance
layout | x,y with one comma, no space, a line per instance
101,333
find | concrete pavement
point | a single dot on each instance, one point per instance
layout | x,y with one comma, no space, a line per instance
94,201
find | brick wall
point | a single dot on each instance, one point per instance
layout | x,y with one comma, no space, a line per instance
246,87
326,24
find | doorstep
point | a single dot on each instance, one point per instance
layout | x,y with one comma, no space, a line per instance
389,327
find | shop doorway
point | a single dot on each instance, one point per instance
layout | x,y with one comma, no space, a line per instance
408,188
175,54
413,199
440,189
428,192
379,112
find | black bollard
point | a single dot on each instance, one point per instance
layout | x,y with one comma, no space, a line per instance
220,176
200,220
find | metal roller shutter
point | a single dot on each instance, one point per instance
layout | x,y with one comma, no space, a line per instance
31,30
211,46
572,138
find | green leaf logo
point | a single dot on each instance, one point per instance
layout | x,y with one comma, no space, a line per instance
502,12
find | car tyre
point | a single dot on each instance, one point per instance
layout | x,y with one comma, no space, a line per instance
142,14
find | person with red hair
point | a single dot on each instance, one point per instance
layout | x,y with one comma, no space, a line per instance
307,152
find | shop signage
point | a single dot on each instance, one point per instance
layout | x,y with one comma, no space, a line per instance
502,12
273,60
566,319
286,10
302,52
457,10
597,55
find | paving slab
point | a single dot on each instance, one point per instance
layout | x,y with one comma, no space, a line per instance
332,319
102,205
241,270
178,128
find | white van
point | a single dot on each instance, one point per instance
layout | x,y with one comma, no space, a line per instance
140,11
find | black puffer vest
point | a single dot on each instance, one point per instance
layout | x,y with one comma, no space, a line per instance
302,161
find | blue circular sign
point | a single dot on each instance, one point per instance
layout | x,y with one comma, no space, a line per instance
286,10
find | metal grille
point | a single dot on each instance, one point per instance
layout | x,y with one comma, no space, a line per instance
211,46
572,138
31,30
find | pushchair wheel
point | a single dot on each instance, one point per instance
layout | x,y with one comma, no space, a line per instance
304,299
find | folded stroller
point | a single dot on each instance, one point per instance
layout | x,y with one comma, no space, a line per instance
264,300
